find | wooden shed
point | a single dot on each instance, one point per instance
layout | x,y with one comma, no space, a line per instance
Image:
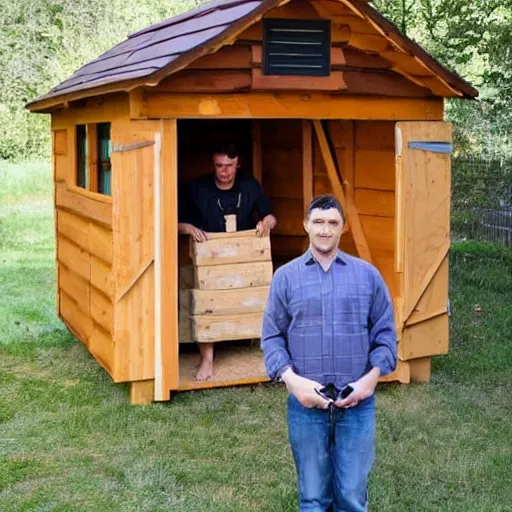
320,96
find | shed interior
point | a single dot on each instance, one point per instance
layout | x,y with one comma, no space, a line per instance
285,156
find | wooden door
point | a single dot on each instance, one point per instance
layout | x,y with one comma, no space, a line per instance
145,257
422,238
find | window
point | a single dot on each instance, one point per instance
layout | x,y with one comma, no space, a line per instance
81,156
93,152
296,47
104,151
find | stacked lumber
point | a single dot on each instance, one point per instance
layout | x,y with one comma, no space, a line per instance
231,277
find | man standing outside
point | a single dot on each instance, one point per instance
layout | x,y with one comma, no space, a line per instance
329,320
204,205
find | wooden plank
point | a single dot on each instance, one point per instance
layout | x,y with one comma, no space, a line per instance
434,300
215,81
208,328
378,203
289,105
62,168
375,136
361,59
74,228
375,170
102,311
424,339
228,302
307,165
101,346
368,42
102,277
334,82
379,232
60,142
257,170
75,258
75,287
142,392
228,57
77,201
383,83
223,251
100,242
420,369
346,200
169,256
241,275
134,331
79,321
407,62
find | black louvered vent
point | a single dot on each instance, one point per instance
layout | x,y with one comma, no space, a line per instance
297,47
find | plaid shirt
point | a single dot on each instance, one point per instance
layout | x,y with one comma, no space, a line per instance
329,326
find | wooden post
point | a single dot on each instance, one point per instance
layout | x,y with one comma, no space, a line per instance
166,261
142,392
307,164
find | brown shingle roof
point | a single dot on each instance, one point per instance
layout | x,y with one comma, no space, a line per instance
148,55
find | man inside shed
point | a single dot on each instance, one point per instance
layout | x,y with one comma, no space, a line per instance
329,334
207,204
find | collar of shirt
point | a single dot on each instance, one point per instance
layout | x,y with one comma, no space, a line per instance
309,259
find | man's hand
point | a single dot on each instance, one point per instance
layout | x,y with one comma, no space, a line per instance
304,390
197,234
266,225
363,388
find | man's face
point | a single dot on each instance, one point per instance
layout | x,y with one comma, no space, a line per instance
324,228
225,169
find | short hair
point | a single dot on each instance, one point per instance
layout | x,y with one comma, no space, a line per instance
325,202
228,149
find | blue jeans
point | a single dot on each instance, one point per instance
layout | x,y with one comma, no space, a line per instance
334,451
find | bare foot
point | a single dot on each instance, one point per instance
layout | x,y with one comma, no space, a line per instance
205,370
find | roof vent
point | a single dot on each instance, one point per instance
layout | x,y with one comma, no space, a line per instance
296,47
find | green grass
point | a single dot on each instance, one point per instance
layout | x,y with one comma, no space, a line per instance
69,441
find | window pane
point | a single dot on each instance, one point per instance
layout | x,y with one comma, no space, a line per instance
104,153
81,156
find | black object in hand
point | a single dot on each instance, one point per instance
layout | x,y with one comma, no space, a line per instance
332,393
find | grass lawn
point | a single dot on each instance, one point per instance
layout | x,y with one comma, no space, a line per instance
69,441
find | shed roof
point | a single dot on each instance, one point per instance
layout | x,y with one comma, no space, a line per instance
149,55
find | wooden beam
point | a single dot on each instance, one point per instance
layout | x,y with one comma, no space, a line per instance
92,156
167,300
307,164
346,200
333,82
142,392
298,105
206,80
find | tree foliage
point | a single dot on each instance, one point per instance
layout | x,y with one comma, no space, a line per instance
42,42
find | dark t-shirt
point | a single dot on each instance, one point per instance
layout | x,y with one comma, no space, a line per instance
204,205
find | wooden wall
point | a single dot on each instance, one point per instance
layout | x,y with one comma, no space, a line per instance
362,61
84,236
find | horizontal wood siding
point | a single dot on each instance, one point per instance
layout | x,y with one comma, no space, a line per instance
84,241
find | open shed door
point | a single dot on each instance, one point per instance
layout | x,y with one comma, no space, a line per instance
422,241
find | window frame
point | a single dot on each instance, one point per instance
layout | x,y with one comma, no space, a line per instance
92,158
